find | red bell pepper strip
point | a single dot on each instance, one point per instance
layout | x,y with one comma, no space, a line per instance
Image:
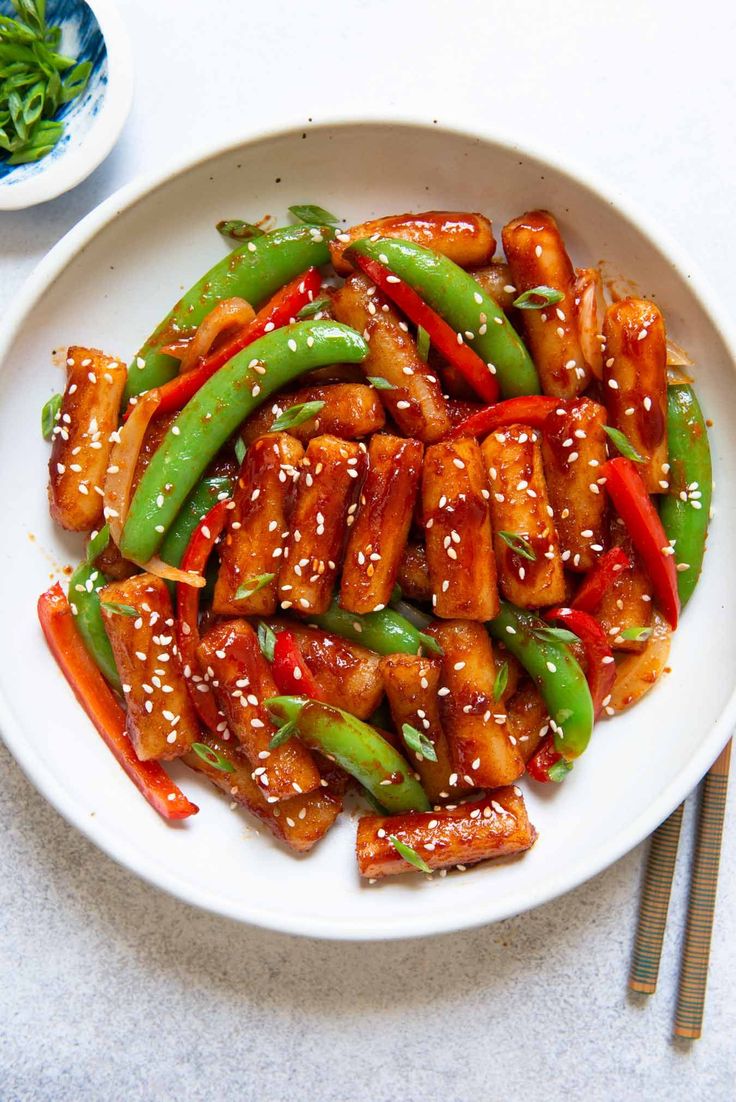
539,764
98,701
290,671
598,580
532,410
600,671
633,504
281,309
441,335
203,539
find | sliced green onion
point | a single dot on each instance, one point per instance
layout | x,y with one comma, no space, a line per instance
240,450
252,585
536,298
418,742
75,82
234,229
212,757
559,770
296,415
623,444
380,383
313,215
33,103
31,88
313,308
410,855
636,635
118,609
266,641
429,643
519,545
555,635
501,681
283,734
423,344
98,541
50,415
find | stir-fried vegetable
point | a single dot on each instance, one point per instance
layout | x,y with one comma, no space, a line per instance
556,673
102,708
253,271
358,748
297,468
685,508
215,412
456,297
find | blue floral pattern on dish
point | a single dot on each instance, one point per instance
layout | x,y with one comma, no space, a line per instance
81,38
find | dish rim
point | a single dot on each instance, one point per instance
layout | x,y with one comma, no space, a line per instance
423,923
66,173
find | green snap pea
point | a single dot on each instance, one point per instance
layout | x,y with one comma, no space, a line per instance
358,748
685,508
254,271
84,597
216,410
455,295
204,495
385,631
555,672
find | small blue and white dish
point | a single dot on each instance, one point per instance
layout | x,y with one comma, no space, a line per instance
93,31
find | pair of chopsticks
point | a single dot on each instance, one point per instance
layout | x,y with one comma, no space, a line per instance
701,905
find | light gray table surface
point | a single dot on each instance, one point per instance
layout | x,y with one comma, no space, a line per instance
110,990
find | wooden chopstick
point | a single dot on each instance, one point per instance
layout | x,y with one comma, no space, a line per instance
655,902
701,904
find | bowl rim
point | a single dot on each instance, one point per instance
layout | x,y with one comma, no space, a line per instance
422,924
67,172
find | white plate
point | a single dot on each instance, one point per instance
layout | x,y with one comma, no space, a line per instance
107,284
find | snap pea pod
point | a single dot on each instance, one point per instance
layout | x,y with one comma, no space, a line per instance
253,271
685,508
204,495
216,410
555,672
456,297
84,597
358,748
385,631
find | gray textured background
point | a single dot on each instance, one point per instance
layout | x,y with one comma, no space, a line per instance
111,991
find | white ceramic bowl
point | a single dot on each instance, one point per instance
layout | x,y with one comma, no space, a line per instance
91,31
107,284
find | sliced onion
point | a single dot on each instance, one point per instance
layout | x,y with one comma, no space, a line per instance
414,615
228,314
123,459
677,356
177,349
677,363
637,673
172,573
591,308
